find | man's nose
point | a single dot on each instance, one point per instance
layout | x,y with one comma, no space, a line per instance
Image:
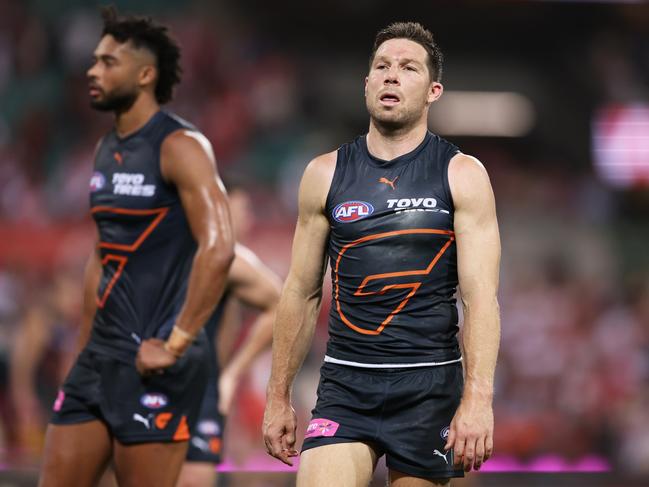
92,72
391,76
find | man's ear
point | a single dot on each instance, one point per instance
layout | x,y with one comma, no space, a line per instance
435,91
148,74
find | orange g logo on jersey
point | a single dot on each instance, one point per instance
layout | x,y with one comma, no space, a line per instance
155,215
414,286
162,420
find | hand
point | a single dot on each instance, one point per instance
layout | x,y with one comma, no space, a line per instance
228,383
153,358
471,434
279,428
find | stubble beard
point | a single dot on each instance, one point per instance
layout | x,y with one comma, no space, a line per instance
393,122
117,101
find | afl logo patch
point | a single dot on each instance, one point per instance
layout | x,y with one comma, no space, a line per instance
97,181
154,400
208,428
444,433
351,211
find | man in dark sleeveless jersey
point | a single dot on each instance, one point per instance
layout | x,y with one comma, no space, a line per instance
164,249
253,284
403,217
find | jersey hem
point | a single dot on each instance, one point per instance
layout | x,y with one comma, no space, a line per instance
390,365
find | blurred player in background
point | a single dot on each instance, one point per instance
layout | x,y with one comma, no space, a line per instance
42,354
251,283
159,269
404,217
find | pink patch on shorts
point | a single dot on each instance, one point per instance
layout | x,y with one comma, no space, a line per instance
59,401
321,427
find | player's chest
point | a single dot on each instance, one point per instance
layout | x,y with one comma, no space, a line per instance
127,176
385,201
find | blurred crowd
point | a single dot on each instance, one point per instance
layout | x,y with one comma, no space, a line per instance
573,374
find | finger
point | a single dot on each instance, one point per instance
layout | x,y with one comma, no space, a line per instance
489,447
289,438
286,456
458,451
276,445
469,454
269,448
479,452
450,441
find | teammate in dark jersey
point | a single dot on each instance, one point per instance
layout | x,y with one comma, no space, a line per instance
249,282
160,266
403,217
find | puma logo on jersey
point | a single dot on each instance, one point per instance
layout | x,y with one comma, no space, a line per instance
388,182
439,454
131,184
412,203
141,419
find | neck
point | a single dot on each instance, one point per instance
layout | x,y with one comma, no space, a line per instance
137,116
388,144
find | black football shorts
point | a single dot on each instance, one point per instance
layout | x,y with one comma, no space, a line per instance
403,413
136,409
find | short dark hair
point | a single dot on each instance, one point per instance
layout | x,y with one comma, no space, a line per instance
145,32
415,32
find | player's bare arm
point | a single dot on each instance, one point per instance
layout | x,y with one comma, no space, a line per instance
187,162
478,257
255,285
298,307
91,280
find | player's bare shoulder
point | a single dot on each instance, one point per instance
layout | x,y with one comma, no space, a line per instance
186,150
185,142
468,180
316,180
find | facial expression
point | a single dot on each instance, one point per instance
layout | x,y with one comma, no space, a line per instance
118,74
399,88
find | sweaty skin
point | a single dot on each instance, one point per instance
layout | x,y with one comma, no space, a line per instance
205,203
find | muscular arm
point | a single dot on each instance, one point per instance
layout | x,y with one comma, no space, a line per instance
478,256
253,284
187,162
299,305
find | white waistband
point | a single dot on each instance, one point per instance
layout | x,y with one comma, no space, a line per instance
332,360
